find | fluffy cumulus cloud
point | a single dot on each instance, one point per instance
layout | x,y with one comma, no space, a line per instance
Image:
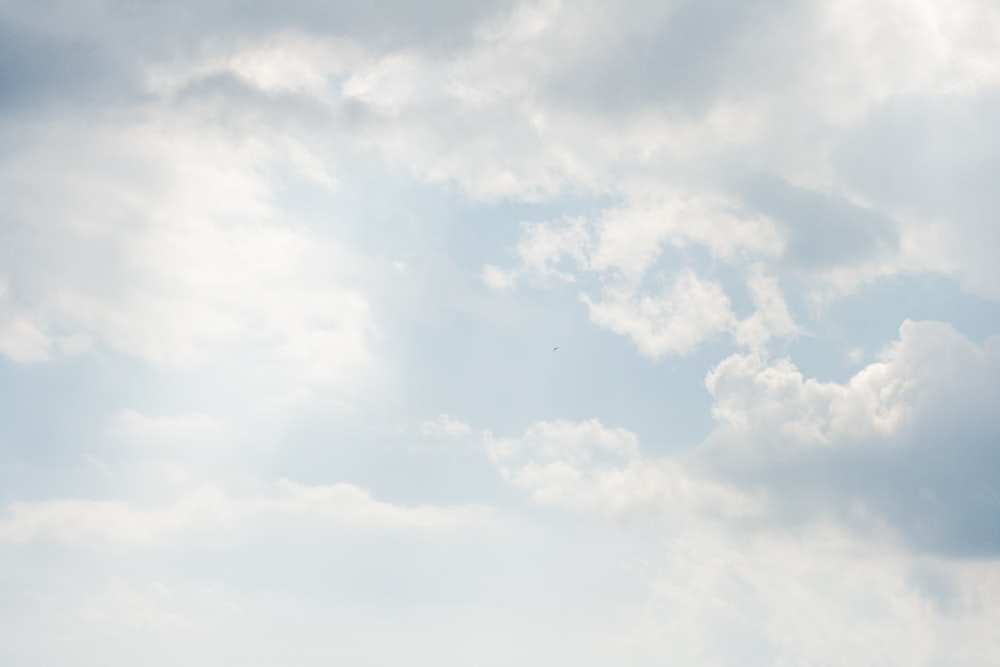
623,248
819,518
905,449
591,468
907,444
675,320
702,295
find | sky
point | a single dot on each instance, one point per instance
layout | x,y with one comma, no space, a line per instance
282,283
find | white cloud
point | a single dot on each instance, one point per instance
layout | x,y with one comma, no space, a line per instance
24,341
543,247
110,523
188,430
672,322
905,446
288,62
117,609
904,449
819,522
571,106
770,318
117,524
165,243
346,504
623,245
444,425
630,237
498,279
574,442
930,372
818,596
167,209
546,252
588,467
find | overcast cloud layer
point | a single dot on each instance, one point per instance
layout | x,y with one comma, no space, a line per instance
281,285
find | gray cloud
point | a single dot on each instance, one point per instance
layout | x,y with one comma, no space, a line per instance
683,56
142,27
933,156
95,54
909,444
934,163
39,69
822,231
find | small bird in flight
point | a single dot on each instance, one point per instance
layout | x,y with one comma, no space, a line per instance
555,348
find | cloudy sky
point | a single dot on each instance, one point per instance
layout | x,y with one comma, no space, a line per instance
280,284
